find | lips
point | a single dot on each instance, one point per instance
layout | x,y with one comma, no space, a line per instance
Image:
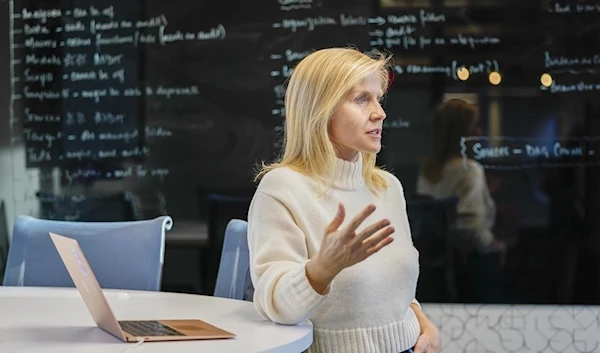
374,132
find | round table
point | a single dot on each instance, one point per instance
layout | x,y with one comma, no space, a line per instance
56,320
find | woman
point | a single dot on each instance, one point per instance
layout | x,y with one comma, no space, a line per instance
307,260
446,172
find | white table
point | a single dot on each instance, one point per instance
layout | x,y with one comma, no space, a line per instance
55,320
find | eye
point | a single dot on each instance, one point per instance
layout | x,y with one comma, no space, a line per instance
361,99
381,99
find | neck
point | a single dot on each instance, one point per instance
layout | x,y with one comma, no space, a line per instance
348,174
352,157
348,155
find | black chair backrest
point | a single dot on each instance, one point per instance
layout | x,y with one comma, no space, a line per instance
433,223
433,227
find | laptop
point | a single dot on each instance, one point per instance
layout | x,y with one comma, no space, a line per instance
130,330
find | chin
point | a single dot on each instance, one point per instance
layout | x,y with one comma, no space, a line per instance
372,150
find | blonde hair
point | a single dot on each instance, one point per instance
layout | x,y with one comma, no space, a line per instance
316,87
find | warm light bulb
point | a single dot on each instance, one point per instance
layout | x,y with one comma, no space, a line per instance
546,80
463,73
495,78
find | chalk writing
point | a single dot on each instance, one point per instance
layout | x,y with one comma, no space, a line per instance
217,32
405,38
107,59
350,20
395,123
551,61
40,118
108,118
522,152
72,27
35,155
580,86
157,131
77,118
96,76
77,59
290,55
486,66
97,95
119,136
41,15
310,23
577,7
33,59
278,111
168,92
286,71
93,75
290,5
33,43
135,152
29,93
43,78
136,171
35,29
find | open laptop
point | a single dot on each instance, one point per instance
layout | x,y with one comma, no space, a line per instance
132,330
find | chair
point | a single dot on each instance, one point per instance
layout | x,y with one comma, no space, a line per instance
123,255
233,278
4,244
221,206
433,227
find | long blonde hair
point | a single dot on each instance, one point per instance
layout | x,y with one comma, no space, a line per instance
316,87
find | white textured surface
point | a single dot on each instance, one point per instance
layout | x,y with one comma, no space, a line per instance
516,328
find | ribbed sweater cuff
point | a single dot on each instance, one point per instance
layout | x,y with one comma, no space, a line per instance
299,296
415,301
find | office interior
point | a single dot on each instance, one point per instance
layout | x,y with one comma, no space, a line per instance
170,111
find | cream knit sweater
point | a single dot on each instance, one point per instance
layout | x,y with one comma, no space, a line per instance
367,307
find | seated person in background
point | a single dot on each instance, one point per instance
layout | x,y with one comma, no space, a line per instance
444,173
308,258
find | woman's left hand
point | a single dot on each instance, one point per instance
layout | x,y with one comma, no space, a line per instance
429,341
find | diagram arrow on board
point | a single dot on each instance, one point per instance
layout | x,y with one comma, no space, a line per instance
376,42
376,33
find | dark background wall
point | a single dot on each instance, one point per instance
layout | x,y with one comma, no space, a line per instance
170,101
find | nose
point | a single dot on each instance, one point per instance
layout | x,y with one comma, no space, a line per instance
378,112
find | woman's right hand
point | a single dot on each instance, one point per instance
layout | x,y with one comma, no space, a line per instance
343,247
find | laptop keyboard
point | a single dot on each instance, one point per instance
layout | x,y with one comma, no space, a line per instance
148,328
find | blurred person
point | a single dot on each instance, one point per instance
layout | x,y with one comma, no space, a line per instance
446,172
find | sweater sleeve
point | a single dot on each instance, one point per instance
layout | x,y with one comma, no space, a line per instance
472,190
278,255
416,302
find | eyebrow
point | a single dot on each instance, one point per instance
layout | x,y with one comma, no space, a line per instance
378,94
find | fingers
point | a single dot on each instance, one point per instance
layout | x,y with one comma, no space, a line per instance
377,241
420,346
359,218
370,230
337,220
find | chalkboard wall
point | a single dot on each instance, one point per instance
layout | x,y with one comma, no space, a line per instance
172,100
